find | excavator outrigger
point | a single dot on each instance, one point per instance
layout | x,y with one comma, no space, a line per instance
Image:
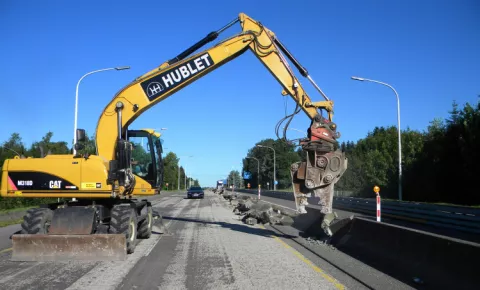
106,220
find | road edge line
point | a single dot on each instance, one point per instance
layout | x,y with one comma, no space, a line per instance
317,269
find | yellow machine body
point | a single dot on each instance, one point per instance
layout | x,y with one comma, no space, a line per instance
60,176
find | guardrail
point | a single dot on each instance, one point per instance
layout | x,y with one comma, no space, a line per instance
451,217
459,218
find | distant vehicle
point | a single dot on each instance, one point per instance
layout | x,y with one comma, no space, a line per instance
194,192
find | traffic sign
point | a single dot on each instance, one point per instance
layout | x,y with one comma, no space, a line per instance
376,189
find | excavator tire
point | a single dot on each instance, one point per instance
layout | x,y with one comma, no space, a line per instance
124,221
37,221
145,226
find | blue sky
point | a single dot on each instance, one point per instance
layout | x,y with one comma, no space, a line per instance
427,50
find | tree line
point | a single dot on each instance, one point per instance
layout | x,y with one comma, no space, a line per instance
172,174
439,164
258,164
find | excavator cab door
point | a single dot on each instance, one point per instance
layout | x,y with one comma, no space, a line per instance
147,162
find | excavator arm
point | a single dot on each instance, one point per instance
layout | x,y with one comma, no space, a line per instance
167,79
324,164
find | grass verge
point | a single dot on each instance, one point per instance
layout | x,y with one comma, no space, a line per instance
4,211
11,222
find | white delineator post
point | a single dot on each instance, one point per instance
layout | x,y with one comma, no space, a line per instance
376,189
259,191
378,208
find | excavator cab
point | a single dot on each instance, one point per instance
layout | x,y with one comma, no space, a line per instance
147,161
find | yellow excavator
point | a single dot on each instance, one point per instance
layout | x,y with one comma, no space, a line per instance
105,220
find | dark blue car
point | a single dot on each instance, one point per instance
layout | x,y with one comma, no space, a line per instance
195,192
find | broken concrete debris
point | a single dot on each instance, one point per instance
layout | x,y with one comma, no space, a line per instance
254,211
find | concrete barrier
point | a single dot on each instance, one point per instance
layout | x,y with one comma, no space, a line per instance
433,261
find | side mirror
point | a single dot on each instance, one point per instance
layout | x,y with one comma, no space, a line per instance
80,135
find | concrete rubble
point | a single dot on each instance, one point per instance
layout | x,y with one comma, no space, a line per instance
253,211
319,242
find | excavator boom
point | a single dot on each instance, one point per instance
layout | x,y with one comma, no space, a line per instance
173,75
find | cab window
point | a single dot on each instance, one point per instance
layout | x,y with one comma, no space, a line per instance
142,164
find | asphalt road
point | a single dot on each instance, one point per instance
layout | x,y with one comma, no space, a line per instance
205,247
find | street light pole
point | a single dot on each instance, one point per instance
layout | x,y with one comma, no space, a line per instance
274,171
76,100
398,129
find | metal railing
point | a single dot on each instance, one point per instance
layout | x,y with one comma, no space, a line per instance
461,218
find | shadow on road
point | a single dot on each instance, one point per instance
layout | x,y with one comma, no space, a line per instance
234,227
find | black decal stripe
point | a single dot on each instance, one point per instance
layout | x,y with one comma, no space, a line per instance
39,181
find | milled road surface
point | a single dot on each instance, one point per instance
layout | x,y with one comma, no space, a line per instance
205,247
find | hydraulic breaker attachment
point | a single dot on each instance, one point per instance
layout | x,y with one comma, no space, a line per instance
314,179
96,247
317,175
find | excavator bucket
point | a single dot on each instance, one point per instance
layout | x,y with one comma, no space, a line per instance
47,247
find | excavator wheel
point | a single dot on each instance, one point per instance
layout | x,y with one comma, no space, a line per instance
37,221
145,226
124,221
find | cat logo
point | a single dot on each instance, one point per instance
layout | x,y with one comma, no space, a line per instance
55,184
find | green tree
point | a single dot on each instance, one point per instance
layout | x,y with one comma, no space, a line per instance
171,170
234,178
90,146
11,148
447,169
373,160
182,178
46,147
285,156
